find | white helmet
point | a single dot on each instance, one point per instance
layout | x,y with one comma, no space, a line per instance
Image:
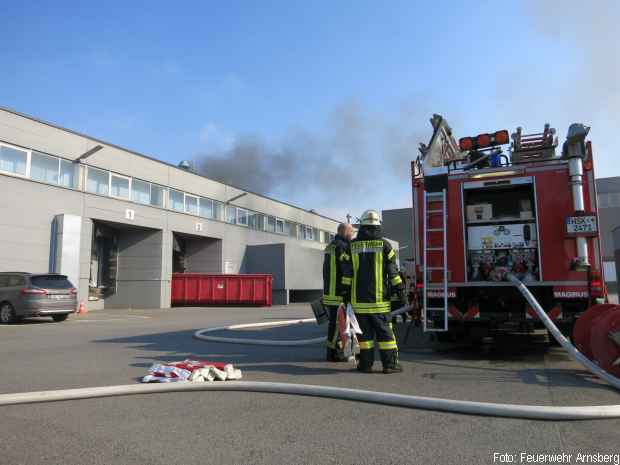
370,218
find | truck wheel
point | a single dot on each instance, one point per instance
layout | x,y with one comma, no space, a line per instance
59,318
7,314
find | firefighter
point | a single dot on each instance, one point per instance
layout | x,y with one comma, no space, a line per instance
336,254
371,272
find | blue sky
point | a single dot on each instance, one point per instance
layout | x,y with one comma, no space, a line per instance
180,81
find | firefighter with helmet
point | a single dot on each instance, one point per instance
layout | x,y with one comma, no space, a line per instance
372,274
336,255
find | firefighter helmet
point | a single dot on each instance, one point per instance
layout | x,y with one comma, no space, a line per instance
370,218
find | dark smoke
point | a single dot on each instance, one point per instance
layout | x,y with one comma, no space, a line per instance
358,154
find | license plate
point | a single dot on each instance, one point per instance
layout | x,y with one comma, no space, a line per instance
581,224
58,296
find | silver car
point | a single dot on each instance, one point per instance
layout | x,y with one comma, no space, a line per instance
25,294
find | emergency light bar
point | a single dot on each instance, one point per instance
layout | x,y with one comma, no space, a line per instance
484,140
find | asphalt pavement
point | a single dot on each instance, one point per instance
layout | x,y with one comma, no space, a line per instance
111,347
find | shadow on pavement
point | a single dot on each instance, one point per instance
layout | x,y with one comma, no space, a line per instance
179,345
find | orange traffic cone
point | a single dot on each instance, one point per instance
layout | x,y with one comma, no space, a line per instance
82,309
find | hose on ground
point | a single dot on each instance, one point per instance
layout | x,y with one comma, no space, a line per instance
201,334
555,332
535,412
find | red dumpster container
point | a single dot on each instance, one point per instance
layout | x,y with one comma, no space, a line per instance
221,289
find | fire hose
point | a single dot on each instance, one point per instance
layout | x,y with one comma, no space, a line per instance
400,400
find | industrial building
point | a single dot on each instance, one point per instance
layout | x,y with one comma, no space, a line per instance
119,223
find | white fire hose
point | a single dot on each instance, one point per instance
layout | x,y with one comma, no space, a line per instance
536,412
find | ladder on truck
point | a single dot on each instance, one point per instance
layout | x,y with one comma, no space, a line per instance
435,244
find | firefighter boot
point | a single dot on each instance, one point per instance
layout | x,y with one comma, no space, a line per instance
365,361
389,359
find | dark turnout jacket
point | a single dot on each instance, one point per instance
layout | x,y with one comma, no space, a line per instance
336,255
371,271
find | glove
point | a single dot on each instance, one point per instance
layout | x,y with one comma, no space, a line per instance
346,298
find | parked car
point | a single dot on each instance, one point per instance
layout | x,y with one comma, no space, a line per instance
26,294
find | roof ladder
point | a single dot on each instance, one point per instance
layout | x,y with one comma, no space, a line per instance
435,262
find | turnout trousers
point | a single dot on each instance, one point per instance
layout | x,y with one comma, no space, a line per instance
376,326
332,329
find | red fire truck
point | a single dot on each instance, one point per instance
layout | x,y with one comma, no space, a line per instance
495,204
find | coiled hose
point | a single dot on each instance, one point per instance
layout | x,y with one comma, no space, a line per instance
535,412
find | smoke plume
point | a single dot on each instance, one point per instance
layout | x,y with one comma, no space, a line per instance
358,156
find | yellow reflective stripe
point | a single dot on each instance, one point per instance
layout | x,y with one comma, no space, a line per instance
391,254
376,277
356,264
332,273
332,299
396,280
380,287
365,345
372,305
387,345
371,311
345,281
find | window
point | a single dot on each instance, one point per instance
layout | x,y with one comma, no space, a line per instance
271,224
218,210
331,237
176,200
191,204
119,186
44,168
16,280
256,221
157,195
231,215
242,216
140,191
317,235
279,226
13,160
307,233
51,281
206,208
291,229
68,174
97,181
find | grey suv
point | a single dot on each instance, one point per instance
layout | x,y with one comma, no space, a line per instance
26,294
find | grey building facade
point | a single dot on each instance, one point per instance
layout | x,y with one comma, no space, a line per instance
119,223
608,194
398,225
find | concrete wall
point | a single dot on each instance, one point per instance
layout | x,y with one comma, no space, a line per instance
398,226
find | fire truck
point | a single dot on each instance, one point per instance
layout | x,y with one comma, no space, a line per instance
500,203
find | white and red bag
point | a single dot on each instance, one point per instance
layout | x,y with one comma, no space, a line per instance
348,328
192,371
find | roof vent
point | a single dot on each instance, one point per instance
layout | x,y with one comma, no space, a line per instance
185,165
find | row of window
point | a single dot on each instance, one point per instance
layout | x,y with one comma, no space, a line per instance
53,170
38,166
